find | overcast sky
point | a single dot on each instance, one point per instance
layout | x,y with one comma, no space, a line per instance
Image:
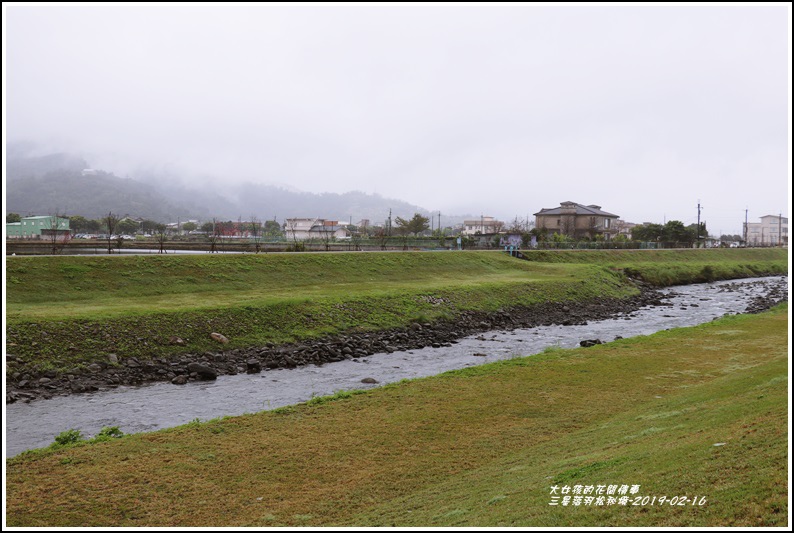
495,110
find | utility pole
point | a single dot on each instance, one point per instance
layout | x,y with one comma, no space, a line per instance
745,227
389,230
779,229
698,241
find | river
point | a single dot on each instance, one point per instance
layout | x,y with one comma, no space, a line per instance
163,405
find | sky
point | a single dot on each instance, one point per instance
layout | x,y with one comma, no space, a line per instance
501,110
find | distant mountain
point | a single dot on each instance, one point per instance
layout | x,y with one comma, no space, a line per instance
268,201
92,196
21,164
46,184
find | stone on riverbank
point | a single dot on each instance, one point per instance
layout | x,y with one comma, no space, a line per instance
203,371
589,343
218,337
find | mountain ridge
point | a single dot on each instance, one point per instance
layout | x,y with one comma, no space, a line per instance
60,183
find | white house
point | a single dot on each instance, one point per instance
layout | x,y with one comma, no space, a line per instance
482,226
771,231
301,229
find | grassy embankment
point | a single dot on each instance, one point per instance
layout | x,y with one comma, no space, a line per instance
663,268
476,447
64,312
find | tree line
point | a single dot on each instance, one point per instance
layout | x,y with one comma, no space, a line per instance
672,231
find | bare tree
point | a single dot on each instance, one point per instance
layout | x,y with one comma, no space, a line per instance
515,226
355,238
592,227
568,225
326,235
382,234
620,227
291,226
214,236
57,232
161,237
256,233
110,221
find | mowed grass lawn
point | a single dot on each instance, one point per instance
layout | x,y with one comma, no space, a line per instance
93,287
55,288
67,312
477,447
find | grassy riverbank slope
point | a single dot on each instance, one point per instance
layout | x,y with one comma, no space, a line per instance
64,313
663,268
695,412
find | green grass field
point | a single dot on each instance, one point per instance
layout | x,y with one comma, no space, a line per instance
663,268
52,288
476,447
66,312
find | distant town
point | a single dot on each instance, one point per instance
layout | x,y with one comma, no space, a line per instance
569,225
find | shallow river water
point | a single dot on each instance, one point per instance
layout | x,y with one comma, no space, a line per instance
162,405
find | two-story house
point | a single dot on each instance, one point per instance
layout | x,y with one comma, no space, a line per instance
577,221
482,226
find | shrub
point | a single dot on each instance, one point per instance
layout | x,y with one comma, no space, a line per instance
109,432
708,273
69,436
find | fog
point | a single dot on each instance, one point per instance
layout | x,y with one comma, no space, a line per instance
495,110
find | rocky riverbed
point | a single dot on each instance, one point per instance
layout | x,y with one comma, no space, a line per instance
26,384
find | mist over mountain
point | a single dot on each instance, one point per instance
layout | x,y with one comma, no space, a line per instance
65,183
275,202
25,160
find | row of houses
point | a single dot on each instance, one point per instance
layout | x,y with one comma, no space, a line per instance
570,218
582,221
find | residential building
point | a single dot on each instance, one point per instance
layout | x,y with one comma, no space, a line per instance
302,229
229,228
39,227
178,226
771,231
577,221
622,227
482,226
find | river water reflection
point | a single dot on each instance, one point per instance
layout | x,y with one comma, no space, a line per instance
163,405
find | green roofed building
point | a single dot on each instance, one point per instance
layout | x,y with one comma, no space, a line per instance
38,227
